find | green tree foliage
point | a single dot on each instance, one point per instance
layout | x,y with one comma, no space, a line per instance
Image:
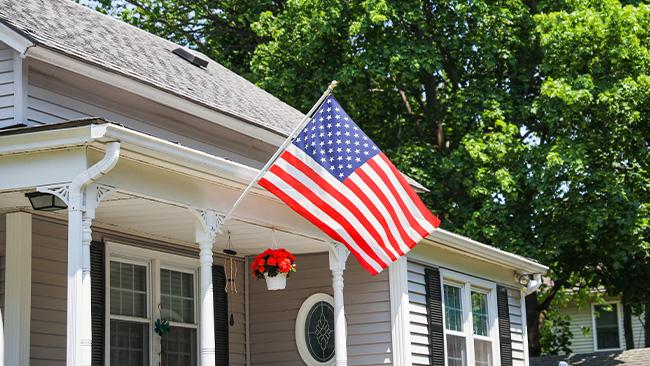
528,120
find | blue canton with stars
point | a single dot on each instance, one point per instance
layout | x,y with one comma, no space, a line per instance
334,141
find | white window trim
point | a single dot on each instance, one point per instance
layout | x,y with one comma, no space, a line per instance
467,284
153,260
619,319
300,329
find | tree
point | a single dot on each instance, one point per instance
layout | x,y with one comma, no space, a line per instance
527,120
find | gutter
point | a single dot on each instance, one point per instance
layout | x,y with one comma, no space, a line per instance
449,240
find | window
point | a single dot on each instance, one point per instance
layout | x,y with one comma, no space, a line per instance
177,306
129,320
315,330
605,318
143,290
470,320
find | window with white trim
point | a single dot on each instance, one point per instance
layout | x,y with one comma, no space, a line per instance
470,318
606,327
141,290
129,314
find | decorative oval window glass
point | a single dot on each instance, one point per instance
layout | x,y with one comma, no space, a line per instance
315,330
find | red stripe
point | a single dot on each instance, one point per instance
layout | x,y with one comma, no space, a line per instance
409,216
375,212
314,220
322,183
433,219
313,198
391,210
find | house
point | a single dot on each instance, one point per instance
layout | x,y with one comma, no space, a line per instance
119,154
598,336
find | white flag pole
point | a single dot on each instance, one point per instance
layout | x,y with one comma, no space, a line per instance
282,147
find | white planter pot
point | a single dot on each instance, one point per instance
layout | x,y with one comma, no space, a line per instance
278,282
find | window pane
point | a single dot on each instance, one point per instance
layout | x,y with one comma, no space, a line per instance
179,347
453,308
177,296
607,326
483,353
480,313
456,353
129,343
128,289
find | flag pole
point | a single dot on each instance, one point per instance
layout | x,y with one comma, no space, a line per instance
282,147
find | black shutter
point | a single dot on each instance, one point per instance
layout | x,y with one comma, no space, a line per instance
220,316
505,341
97,300
434,315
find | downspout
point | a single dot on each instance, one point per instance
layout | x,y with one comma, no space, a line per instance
79,329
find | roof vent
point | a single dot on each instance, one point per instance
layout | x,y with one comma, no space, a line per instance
189,57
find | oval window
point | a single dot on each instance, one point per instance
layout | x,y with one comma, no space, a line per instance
315,330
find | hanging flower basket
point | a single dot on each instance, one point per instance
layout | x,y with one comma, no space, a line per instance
274,265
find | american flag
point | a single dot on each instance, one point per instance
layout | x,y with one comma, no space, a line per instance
338,179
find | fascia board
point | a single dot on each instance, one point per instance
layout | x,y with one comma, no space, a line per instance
50,139
236,123
482,251
14,40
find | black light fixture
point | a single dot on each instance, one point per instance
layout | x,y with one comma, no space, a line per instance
45,201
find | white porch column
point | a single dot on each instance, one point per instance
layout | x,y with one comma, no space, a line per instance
338,255
75,218
18,287
399,311
206,230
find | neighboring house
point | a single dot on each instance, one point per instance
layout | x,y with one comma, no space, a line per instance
598,337
144,150
599,327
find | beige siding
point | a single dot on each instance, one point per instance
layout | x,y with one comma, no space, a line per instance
420,326
367,305
3,238
6,85
49,270
581,317
53,101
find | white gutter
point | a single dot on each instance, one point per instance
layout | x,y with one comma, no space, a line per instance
444,238
80,215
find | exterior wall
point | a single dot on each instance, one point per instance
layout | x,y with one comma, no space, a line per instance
419,323
49,268
54,100
3,222
581,317
7,79
367,309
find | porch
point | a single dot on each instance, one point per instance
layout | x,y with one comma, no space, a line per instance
153,207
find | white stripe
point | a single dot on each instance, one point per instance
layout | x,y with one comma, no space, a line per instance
325,218
415,210
345,191
401,215
337,206
354,177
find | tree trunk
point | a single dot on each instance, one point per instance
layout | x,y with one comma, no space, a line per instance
627,326
533,320
646,323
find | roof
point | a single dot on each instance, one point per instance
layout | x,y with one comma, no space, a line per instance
633,357
82,33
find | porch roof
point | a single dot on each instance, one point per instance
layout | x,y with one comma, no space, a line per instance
145,149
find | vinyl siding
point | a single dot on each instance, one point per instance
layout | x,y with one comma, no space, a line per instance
49,281
419,323
581,317
52,101
3,238
7,79
367,309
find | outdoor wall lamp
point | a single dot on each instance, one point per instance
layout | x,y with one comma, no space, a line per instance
45,201
530,281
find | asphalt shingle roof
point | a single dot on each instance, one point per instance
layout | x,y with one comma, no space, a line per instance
633,357
85,34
